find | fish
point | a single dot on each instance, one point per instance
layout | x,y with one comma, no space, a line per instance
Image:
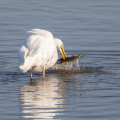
69,59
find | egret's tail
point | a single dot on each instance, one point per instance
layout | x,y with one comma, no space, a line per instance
23,68
27,64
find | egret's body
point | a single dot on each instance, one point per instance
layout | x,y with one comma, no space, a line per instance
39,51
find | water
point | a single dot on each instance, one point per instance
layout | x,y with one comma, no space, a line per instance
88,27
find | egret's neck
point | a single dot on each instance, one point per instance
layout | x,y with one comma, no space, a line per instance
58,43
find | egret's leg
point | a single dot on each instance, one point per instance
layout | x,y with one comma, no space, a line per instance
31,74
44,73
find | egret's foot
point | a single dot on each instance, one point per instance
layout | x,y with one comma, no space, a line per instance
44,73
31,75
44,79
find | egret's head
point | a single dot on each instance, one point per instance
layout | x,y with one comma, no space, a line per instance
60,47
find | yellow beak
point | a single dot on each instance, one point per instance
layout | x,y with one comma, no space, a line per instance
63,54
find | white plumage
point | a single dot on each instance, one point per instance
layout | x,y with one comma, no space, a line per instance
39,51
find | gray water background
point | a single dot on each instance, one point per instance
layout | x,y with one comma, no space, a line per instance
90,27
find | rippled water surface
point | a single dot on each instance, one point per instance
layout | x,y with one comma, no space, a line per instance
88,27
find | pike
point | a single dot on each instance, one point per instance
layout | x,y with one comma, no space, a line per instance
70,59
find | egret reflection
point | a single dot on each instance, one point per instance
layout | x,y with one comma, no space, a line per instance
42,99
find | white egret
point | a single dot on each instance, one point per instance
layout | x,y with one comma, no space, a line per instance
39,51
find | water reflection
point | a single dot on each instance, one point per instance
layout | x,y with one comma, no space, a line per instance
42,99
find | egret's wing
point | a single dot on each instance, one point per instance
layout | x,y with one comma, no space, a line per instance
31,47
38,40
37,46
34,52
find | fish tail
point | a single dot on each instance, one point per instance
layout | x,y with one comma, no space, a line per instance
81,55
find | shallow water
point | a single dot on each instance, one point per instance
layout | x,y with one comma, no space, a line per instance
88,27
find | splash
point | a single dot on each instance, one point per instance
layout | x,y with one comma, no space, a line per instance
69,66
75,67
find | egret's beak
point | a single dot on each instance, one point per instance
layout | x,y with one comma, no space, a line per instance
63,54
